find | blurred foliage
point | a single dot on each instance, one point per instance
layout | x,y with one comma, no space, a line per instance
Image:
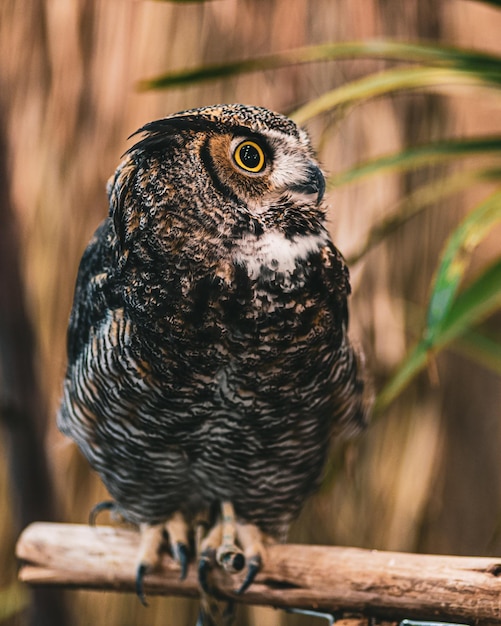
13,600
480,299
481,66
415,201
425,155
451,316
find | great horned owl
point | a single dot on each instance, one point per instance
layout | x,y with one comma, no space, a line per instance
208,358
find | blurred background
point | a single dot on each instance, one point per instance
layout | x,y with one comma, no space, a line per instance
425,476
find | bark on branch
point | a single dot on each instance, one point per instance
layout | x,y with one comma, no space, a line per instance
388,585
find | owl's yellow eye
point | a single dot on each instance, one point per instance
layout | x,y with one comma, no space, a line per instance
249,156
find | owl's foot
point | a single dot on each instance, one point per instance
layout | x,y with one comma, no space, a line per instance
152,539
220,547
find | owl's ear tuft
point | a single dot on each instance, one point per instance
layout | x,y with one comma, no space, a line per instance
164,134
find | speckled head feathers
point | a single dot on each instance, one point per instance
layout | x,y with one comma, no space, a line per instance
227,116
219,118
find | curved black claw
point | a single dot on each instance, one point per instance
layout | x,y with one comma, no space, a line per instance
106,505
205,564
253,568
140,573
181,554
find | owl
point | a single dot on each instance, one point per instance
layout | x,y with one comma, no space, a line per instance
209,365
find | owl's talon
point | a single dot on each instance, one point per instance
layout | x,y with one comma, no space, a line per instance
255,563
177,531
140,574
181,555
151,540
205,564
106,505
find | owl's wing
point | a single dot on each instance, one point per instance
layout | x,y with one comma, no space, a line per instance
94,293
354,397
336,277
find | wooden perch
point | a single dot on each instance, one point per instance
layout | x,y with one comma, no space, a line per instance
387,585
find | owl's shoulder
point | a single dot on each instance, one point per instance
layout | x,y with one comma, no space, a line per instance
335,267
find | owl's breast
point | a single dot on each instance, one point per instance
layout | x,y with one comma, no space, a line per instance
264,292
273,254
265,297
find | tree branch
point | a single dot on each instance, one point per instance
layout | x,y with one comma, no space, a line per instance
388,585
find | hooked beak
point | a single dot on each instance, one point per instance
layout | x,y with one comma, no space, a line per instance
314,183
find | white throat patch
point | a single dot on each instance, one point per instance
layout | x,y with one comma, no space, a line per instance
275,252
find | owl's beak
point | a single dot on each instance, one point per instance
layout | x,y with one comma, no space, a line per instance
314,183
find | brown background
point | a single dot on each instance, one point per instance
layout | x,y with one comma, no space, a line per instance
426,475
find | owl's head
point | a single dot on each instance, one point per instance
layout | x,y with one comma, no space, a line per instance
217,172
251,154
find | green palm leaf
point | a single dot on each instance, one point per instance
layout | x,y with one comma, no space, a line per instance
483,348
418,200
419,156
481,298
394,80
475,227
424,53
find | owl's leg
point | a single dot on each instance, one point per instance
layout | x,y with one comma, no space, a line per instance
253,542
228,555
219,547
149,546
152,538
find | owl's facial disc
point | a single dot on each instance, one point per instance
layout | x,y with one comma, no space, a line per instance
265,171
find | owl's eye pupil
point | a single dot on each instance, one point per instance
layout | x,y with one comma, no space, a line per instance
250,156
